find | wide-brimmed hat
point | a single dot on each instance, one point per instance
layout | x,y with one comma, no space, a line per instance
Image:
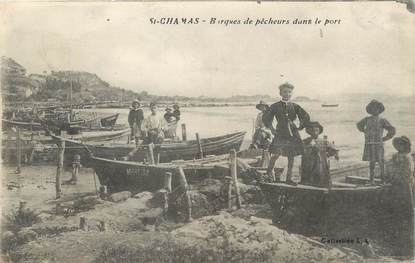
169,109
153,104
262,105
375,107
135,101
402,144
176,106
310,125
286,85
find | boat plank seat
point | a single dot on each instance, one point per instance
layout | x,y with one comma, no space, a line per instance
353,179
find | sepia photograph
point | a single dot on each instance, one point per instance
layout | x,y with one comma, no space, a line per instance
207,131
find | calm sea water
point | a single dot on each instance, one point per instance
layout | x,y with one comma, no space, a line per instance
339,123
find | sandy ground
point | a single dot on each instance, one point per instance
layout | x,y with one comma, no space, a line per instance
137,229
36,185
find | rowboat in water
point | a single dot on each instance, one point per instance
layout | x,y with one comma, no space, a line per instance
346,212
166,152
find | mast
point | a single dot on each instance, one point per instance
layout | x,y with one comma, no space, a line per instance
70,101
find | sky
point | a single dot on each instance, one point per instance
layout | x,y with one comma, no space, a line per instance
372,50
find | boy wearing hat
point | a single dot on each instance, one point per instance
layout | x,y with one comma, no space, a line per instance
135,119
262,136
373,127
315,169
154,126
169,116
287,141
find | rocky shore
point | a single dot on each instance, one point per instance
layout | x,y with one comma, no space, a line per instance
122,228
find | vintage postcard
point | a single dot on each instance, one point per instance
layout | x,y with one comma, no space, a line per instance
207,131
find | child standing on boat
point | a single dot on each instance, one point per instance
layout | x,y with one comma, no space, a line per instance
315,169
373,127
287,141
135,119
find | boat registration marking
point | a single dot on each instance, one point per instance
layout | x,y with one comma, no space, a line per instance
138,171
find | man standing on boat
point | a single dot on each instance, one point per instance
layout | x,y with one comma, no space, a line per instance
153,126
287,141
135,119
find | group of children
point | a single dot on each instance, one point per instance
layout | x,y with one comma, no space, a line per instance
154,128
285,140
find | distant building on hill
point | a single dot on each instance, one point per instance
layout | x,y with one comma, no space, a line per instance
15,85
11,67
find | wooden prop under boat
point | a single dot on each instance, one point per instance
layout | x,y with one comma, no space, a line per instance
380,213
186,150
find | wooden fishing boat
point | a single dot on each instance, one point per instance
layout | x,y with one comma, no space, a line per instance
136,177
109,121
104,122
166,152
346,213
23,125
91,136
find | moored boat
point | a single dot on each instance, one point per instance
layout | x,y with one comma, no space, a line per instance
97,122
356,212
135,177
185,150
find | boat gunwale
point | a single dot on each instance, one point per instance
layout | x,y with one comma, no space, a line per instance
179,146
169,165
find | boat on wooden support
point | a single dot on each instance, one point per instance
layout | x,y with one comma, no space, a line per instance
355,211
136,177
166,152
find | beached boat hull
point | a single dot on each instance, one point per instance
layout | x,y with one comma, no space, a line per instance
101,122
137,177
167,152
359,214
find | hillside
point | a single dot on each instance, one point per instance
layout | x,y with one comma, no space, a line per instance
15,84
87,87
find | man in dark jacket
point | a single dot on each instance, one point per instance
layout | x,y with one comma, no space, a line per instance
135,118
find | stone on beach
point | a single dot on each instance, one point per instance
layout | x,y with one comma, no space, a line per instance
26,235
8,239
120,196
